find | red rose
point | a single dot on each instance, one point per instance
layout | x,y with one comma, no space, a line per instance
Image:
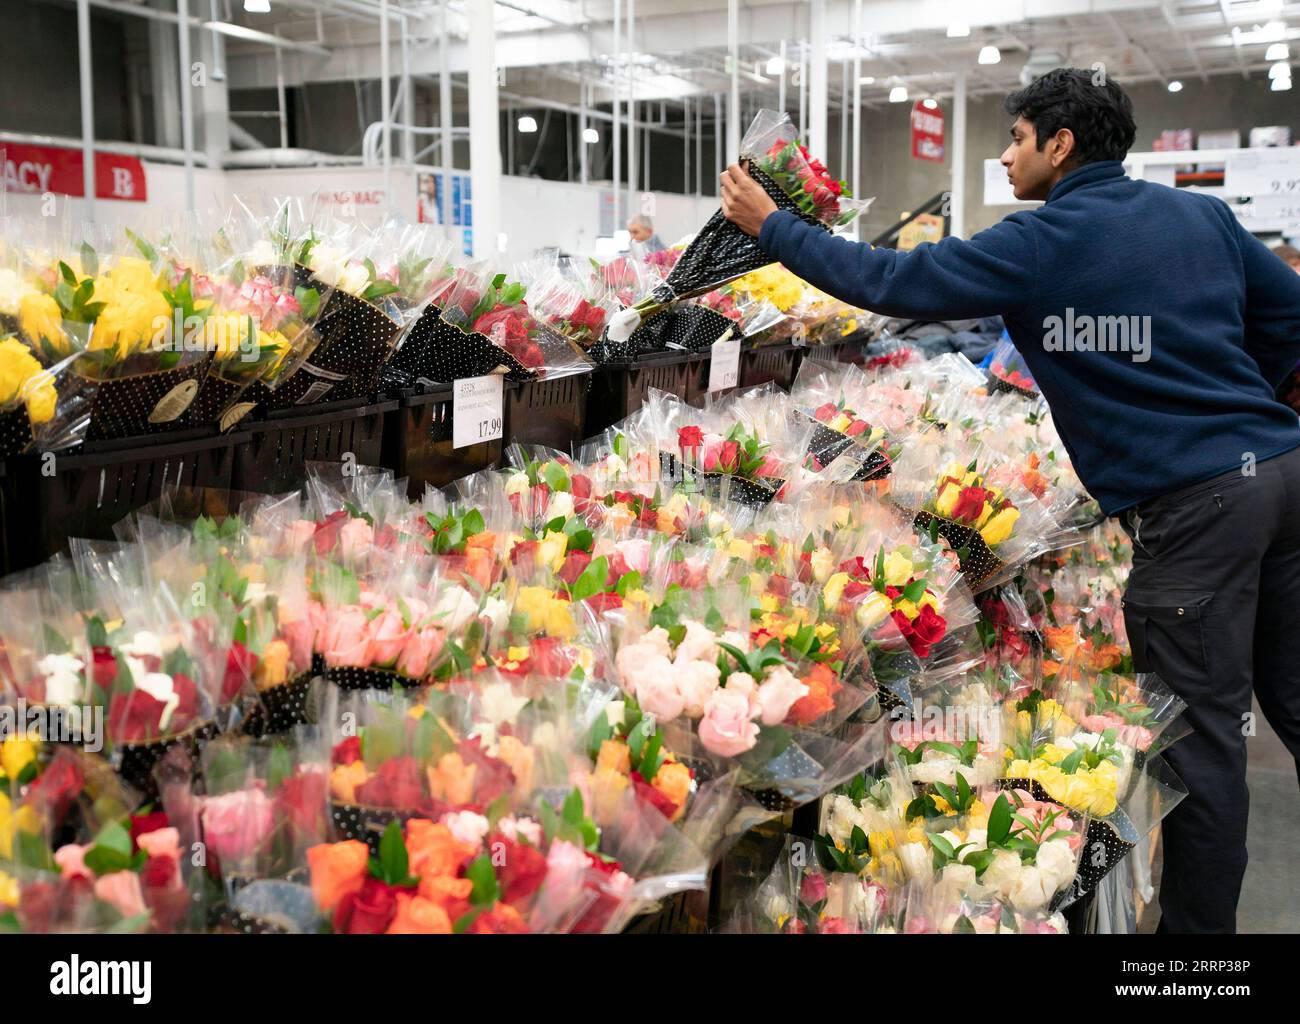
929,626
836,186
188,707
550,657
301,800
105,667
813,889
822,195
728,457
240,663
689,437
648,794
580,485
347,751
857,427
55,788
159,872
38,906
327,532
133,717
603,602
825,412
904,624
780,586
522,868
855,589
499,921
574,564
970,503
524,551
398,784
168,906
368,912
143,824
492,776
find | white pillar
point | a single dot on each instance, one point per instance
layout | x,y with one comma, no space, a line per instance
87,109
583,173
633,167
733,105
447,161
485,129
857,107
957,208
780,89
408,104
615,127
817,135
385,97
187,99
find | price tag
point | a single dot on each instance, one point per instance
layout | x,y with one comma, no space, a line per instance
724,364
477,413
1263,172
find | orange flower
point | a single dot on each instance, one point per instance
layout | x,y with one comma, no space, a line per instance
615,756
452,780
673,780
502,919
519,756
451,894
822,687
344,780
337,870
419,916
1099,659
1061,640
478,566
1050,669
433,850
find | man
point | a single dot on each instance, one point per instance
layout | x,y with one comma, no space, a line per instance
642,230
1168,415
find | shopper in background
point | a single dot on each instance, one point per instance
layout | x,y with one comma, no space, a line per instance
1175,428
642,230
1289,255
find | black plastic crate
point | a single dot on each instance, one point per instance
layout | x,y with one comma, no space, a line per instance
774,363
45,498
620,389
272,456
551,411
418,442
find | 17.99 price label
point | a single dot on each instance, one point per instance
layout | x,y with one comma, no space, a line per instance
477,410
724,364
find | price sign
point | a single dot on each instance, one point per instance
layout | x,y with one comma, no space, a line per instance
477,413
724,364
1263,172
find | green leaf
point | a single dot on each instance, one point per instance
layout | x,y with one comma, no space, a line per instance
90,259
914,591
1071,764
627,582
393,862
999,827
555,477
638,735
651,759
279,766
146,250
486,889
30,851
600,731
592,580
572,811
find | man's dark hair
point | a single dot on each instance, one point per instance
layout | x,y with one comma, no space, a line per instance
1099,115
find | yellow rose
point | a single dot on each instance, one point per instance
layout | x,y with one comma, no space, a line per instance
908,608
946,500
24,819
15,755
550,550
273,669
225,334
740,549
834,588
637,599
8,890
928,600
840,422
999,528
823,562
39,318
873,610
898,569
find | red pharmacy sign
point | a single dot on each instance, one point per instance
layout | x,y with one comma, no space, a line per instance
41,169
927,132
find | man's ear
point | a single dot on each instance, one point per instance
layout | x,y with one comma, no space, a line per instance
1062,147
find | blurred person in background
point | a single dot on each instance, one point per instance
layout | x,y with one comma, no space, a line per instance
1289,255
1177,432
642,231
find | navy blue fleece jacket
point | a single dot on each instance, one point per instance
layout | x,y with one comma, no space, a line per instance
1224,327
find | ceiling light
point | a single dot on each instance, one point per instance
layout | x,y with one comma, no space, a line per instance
257,6
1280,70
957,30
930,103
1278,51
590,135
775,65
1271,6
990,55
898,94
1175,86
526,125
868,80
1274,31
1281,84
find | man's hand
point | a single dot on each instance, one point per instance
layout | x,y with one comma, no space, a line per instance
744,202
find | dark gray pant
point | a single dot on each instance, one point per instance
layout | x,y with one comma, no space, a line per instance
1213,607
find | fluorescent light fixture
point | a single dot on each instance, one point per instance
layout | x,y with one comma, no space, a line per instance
775,66
526,125
1175,86
958,30
930,103
1271,6
1281,85
1280,70
990,55
1273,32
898,94
257,6
867,80
590,135
1278,51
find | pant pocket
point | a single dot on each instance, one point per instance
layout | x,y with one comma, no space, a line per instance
1165,631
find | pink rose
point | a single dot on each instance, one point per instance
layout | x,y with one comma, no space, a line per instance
771,467
299,534
71,860
236,824
699,644
388,636
345,640
636,554
355,537
164,844
300,636
421,649
726,729
711,452
121,890
778,693
655,689
632,659
696,681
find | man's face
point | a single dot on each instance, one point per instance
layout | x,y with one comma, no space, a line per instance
1029,170
638,232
